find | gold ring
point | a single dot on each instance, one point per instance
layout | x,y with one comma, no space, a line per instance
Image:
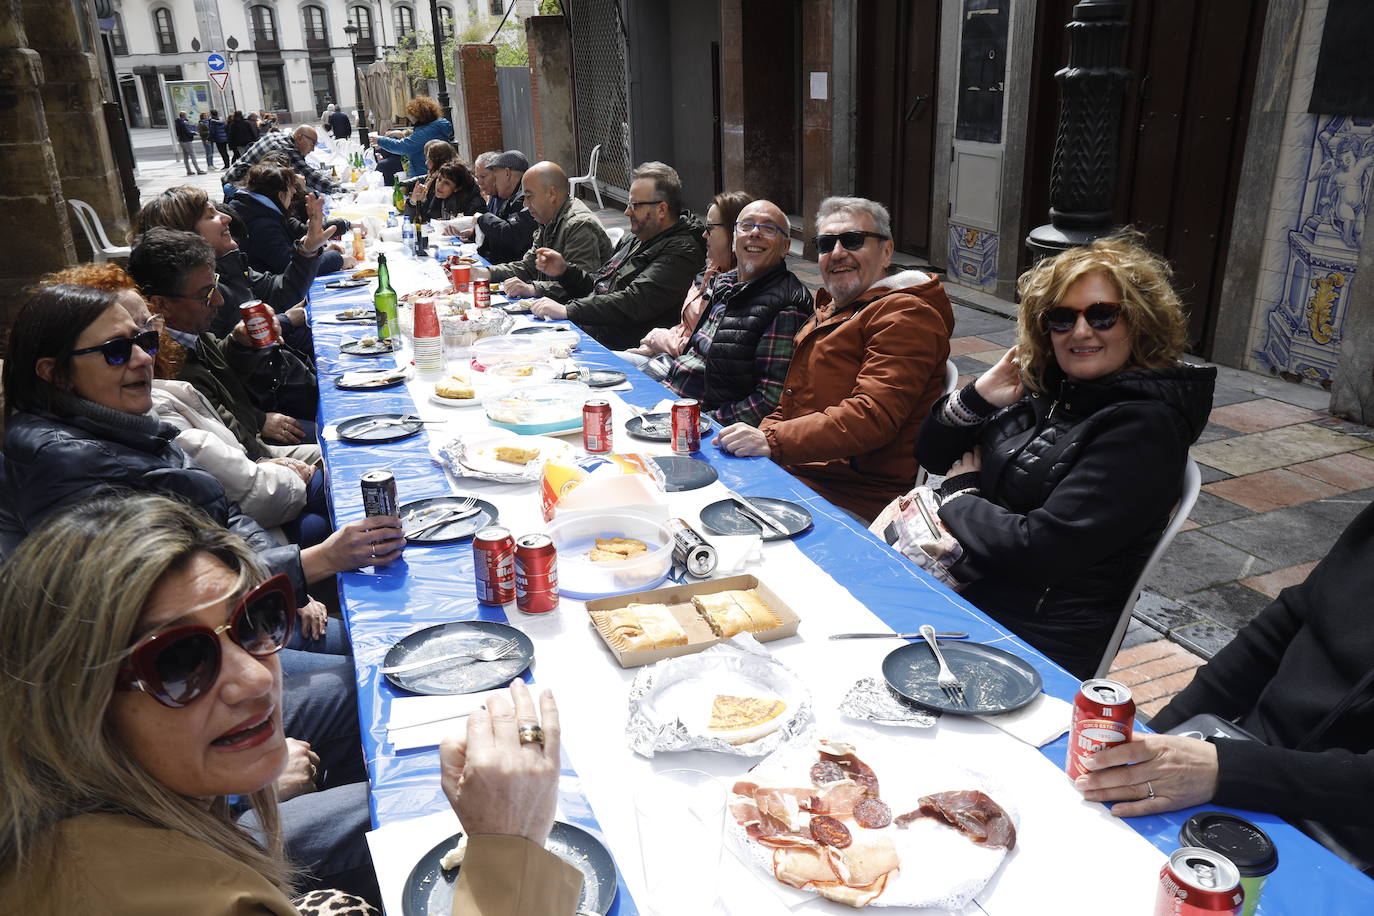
532,734
1149,788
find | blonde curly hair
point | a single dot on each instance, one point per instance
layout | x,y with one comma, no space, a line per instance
1149,305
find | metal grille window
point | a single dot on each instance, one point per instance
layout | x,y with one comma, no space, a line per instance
118,43
405,21
446,21
166,35
496,8
361,17
314,23
264,24
599,54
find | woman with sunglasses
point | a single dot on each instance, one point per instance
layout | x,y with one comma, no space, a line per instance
129,723
78,396
1064,460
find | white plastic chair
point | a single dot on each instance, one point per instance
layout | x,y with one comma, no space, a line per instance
1192,483
102,249
617,235
951,383
589,177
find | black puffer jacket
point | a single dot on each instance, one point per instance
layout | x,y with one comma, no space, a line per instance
1074,491
52,461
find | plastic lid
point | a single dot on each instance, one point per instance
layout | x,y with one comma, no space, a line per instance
1247,846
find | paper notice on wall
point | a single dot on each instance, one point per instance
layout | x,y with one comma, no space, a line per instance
819,88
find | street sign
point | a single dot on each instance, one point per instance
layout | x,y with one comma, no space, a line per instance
216,62
221,80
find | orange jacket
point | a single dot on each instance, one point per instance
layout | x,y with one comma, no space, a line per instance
861,382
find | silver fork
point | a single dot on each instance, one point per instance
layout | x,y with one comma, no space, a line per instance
484,654
946,680
446,515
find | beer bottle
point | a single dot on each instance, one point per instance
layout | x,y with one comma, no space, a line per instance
398,196
384,301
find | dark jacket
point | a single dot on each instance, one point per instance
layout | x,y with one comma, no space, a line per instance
52,461
242,133
217,367
860,383
750,308
267,242
218,132
1300,677
339,125
1074,491
185,133
507,228
641,287
238,283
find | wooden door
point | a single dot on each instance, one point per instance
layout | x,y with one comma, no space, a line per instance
898,46
1183,132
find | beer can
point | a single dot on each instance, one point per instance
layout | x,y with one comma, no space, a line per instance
493,556
261,323
690,550
1196,882
686,416
379,493
536,574
1248,848
596,426
481,295
1103,715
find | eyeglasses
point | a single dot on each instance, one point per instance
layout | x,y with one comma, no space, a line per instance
852,240
710,226
177,665
643,203
117,350
1101,316
767,230
207,298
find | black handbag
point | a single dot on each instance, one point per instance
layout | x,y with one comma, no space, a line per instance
279,379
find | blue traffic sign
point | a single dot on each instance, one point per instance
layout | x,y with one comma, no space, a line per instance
215,62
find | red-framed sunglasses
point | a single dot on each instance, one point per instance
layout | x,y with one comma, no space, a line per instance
177,665
1101,316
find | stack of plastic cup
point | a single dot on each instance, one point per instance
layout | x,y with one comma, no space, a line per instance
428,340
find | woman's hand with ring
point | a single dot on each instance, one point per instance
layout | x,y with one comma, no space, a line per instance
1180,772
1001,385
302,765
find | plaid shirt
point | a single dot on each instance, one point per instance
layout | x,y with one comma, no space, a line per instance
279,145
687,376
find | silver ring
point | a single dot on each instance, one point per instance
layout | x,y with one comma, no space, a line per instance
532,734
314,771
1149,788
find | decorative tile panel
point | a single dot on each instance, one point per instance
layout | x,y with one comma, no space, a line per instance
972,256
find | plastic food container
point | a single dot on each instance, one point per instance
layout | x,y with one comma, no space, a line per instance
574,535
545,407
489,352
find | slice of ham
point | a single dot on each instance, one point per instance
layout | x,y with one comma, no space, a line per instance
970,812
843,756
837,799
853,896
801,867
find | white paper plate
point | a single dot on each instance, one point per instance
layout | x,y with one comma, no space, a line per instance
481,457
455,402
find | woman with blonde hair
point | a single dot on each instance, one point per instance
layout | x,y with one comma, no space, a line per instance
1063,460
141,688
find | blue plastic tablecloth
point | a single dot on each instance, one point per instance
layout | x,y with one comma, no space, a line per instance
433,586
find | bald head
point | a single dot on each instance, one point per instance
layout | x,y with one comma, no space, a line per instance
305,138
762,238
546,189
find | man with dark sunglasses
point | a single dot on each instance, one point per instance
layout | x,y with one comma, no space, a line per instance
867,366
642,285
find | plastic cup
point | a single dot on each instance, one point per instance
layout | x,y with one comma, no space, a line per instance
681,819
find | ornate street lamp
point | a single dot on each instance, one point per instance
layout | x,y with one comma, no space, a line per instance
351,31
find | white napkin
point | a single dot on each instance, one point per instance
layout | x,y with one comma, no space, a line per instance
425,721
735,552
1038,723
397,846
330,433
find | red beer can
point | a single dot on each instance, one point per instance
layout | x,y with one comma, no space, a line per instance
493,555
596,426
481,294
1103,715
536,574
461,272
379,493
1196,882
261,323
686,416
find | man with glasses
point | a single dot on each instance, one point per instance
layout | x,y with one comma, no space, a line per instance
642,286
867,367
737,357
176,273
565,225
291,150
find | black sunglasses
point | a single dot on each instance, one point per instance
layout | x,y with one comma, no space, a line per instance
852,240
177,665
1101,316
117,350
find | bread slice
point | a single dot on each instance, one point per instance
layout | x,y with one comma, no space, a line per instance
515,455
740,720
640,626
761,616
728,613
455,389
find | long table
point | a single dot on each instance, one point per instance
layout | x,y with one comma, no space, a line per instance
860,575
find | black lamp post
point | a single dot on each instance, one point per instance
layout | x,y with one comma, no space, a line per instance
439,58
1083,177
351,31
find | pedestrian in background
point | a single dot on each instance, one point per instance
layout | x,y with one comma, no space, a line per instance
206,139
186,137
242,133
219,134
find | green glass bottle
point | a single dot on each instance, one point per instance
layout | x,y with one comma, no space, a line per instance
384,301
398,196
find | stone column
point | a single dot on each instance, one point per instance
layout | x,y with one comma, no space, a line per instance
73,100
1083,179
551,91
33,213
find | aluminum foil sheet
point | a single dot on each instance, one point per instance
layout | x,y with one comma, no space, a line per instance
670,702
871,699
451,457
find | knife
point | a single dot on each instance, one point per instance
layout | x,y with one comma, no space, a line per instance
756,515
896,636
445,520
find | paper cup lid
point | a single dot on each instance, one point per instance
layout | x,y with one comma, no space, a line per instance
1246,845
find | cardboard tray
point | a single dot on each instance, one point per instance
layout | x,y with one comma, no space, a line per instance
699,635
